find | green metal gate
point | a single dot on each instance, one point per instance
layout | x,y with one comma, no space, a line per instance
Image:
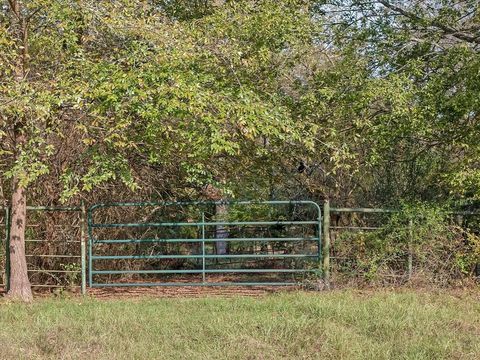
269,243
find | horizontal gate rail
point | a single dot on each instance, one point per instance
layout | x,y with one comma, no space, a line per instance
236,223
203,203
140,241
204,284
314,239
201,256
208,271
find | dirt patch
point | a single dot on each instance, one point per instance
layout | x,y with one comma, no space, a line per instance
189,291
176,291
185,291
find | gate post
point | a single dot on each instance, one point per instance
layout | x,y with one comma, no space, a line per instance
90,241
410,249
83,250
7,248
326,243
203,247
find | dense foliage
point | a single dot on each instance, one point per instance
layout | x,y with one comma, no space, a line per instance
365,103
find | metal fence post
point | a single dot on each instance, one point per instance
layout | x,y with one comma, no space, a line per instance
410,248
83,250
90,244
326,243
7,248
319,233
203,246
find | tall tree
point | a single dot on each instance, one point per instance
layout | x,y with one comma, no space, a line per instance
19,32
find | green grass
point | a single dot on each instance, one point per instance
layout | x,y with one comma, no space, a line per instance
339,325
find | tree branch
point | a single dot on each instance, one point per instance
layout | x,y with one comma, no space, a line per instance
459,34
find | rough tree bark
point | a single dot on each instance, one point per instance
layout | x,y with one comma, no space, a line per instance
20,287
19,283
221,214
221,232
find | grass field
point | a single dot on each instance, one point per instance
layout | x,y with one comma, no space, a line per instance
335,325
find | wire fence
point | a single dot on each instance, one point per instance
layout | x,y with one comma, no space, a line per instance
55,247
386,246
246,244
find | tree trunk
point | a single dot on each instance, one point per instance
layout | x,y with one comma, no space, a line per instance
221,232
20,287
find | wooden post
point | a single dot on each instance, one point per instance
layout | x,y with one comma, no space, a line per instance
326,243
